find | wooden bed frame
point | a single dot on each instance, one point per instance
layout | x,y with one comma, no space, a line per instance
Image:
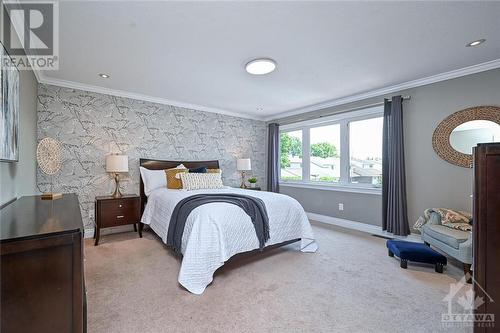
162,165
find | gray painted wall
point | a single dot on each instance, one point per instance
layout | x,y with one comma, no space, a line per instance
19,178
325,202
431,181
91,126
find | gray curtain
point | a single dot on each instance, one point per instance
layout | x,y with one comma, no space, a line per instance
273,158
394,206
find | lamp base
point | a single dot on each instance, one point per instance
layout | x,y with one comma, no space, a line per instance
117,193
243,180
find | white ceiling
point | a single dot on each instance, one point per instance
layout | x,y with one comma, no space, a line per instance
193,53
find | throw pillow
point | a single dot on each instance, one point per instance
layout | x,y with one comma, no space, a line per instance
198,181
199,170
173,179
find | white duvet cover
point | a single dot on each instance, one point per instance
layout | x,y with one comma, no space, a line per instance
215,232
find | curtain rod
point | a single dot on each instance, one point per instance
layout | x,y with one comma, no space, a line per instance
291,121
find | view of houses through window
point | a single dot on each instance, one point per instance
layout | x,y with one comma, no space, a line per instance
325,153
365,150
291,155
345,151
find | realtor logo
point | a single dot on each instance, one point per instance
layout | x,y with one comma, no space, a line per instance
31,33
462,315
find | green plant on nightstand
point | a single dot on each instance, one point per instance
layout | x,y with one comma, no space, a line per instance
253,182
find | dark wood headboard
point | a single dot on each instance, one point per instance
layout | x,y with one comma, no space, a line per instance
162,165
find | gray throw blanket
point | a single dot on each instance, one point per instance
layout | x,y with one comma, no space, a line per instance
253,207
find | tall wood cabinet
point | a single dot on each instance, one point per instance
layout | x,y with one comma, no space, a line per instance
41,268
487,232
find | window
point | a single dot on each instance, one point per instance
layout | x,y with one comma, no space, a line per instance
343,150
325,153
365,151
291,155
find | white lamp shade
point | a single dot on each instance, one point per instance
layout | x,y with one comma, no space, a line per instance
243,164
117,163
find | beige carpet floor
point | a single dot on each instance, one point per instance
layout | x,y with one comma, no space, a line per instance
349,285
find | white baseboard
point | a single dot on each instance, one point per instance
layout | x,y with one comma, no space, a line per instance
359,226
88,233
348,224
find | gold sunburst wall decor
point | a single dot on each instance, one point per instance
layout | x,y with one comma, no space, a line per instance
48,156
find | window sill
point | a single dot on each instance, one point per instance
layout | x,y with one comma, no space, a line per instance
333,187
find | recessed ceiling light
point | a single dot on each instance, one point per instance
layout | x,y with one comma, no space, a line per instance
260,66
104,76
476,43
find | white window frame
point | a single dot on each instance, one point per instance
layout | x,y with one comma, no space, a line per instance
343,119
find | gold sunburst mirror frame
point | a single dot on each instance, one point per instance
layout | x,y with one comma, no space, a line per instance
441,137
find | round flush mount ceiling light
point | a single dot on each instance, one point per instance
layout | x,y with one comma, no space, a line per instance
260,66
104,76
476,43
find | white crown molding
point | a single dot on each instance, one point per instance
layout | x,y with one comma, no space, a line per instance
121,93
485,66
41,78
37,75
493,64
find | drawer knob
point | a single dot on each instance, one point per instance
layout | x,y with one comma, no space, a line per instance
120,217
120,206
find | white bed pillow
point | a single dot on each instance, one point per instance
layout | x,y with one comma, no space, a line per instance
199,181
152,179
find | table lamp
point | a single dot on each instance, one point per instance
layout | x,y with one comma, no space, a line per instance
116,164
243,164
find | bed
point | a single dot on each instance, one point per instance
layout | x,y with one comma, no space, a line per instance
217,231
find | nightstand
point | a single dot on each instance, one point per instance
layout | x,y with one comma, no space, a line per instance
254,188
113,212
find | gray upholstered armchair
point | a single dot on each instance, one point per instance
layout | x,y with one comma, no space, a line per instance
456,243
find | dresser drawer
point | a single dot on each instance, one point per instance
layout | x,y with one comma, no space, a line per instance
125,206
121,219
118,212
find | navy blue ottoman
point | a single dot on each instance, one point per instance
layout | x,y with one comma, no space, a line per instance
418,252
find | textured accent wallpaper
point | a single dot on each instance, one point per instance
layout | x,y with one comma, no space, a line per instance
91,125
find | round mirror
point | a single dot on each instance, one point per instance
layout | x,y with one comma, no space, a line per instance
469,134
455,137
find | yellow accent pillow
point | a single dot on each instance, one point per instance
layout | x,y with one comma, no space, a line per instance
213,171
173,181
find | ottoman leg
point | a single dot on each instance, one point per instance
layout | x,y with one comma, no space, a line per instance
391,254
404,263
439,267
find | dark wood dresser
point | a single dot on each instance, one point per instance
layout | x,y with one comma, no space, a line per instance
487,233
41,249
